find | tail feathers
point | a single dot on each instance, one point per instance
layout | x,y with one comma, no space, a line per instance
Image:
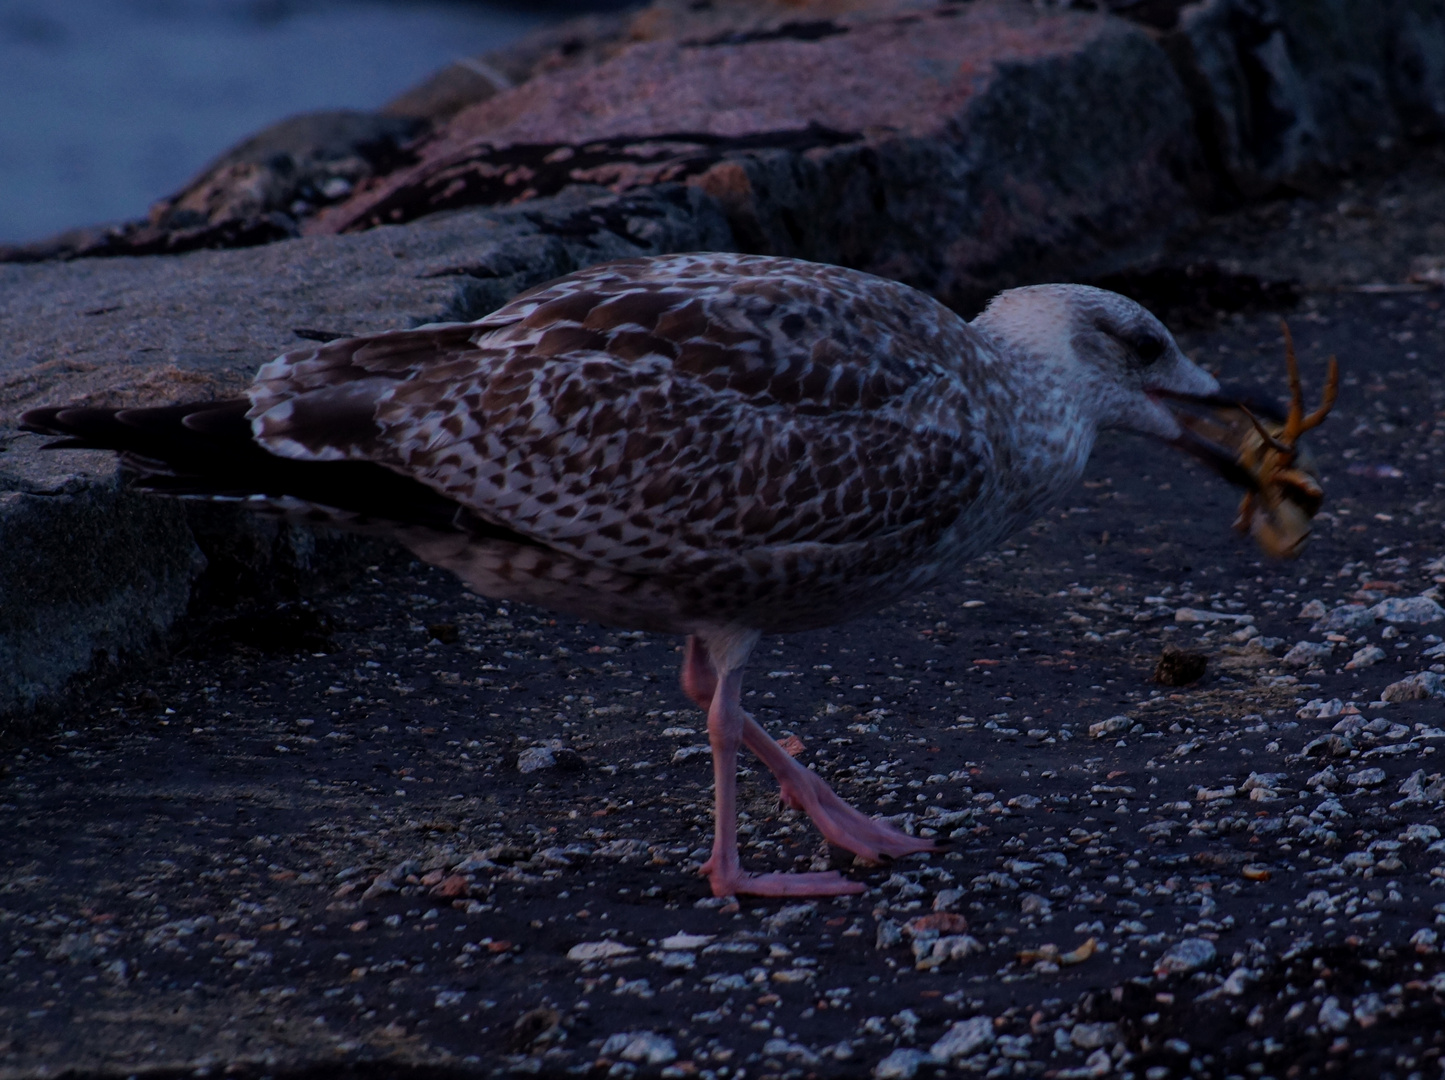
207,450
175,440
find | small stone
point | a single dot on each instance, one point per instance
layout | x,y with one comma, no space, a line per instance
535,758
1034,904
789,976
1203,615
1179,667
1205,794
1369,656
537,1028
1421,834
1191,954
1320,709
1367,1009
1313,609
1263,781
76,948
787,916
1328,745
948,899
952,947
784,1049
1115,725
901,1065
598,950
1237,982
1366,778
1093,1035
1417,788
1352,724
1307,654
686,941
963,1038
643,1047
1411,610
624,848
940,922
1418,687
382,886
1325,778
452,887
1345,618
1332,1017
477,860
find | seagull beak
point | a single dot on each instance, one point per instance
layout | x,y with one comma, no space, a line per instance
1256,448
1213,428
1238,440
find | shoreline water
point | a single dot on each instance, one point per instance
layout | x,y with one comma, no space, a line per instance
108,105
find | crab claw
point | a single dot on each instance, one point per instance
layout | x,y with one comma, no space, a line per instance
1212,429
1281,525
1255,446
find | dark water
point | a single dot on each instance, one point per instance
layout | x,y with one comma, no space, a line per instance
106,105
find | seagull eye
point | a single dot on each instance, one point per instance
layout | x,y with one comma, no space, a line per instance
1147,348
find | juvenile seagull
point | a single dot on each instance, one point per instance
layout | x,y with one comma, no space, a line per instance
715,445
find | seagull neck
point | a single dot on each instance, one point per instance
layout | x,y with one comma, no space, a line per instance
1041,424
1050,438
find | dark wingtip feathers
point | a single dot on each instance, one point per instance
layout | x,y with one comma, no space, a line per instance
207,450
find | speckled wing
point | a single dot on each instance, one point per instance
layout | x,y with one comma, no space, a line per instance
728,417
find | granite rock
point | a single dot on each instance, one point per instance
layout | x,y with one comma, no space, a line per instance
1290,90
848,130
252,194
578,42
110,592
958,148
91,574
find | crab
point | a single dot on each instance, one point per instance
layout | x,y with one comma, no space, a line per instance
1281,481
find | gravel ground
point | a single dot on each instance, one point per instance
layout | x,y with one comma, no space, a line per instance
396,829
1370,229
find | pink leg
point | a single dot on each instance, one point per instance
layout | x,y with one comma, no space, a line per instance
801,788
699,678
726,722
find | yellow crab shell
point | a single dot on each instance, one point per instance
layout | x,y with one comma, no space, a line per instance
1281,480
1277,514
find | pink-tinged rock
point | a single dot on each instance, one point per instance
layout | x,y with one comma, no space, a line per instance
957,147
910,72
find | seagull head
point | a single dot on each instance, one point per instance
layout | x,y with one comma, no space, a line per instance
1115,359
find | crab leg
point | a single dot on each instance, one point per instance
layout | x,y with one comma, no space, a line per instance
1298,423
1327,402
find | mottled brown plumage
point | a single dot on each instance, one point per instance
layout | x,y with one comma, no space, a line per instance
717,445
